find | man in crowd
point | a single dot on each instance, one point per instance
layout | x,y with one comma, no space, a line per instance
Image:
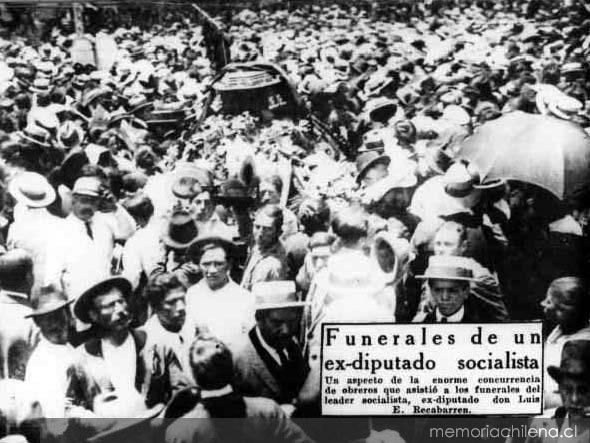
18,335
217,305
451,240
47,368
179,232
267,260
82,255
118,358
449,279
34,226
567,308
203,210
270,362
571,417
144,248
167,325
320,250
211,364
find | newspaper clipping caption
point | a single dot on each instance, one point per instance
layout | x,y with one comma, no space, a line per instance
434,369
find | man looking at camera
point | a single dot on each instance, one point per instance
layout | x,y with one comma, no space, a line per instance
82,254
117,359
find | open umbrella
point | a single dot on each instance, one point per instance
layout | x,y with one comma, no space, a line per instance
542,150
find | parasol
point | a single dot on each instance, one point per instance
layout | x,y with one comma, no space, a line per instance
542,150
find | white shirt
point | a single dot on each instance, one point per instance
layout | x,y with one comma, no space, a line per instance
47,375
227,313
179,341
454,318
121,363
272,351
142,251
77,261
32,231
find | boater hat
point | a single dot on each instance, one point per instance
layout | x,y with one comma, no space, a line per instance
443,267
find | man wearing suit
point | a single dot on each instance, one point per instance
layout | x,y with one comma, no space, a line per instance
270,362
449,280
261,418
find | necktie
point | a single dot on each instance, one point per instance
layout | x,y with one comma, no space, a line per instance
283,357
89,230
444,320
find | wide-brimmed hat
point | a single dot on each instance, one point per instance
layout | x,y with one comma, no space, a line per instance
575,361
84,301
47,299
32,189
35,135
276,295
459,181
367,160
381,109
186,188
180,231
41,86
89,186
392,255
445,267
211,237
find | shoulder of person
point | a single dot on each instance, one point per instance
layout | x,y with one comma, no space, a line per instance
262,407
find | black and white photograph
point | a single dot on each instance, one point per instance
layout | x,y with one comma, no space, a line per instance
327,221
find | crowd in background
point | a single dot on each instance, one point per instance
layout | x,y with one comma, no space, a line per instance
174,235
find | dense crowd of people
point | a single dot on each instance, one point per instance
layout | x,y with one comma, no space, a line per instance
175,229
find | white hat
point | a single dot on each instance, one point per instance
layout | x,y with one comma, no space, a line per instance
276,295
448,267
89,186
32,190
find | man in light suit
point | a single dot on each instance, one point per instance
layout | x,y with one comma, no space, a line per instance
270,362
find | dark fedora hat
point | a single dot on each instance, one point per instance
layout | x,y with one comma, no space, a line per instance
180,231
367,160
575,361
47,299
234,193
83,303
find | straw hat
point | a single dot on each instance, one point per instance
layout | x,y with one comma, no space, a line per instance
48,299
443,267
89,186
276,295
32,190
